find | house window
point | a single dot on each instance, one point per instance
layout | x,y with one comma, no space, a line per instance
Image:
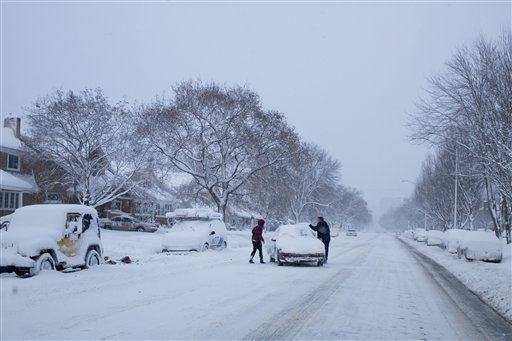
116,205
13,162
9,201
53,198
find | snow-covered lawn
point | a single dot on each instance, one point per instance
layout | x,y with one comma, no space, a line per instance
491,281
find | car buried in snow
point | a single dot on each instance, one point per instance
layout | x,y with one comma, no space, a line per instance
420,235
127,223
434,237
195,230
51,237
481,245
294,244
451,239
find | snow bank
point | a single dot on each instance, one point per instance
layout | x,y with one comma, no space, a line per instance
490,281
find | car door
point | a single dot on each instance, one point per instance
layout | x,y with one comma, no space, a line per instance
116,223
215,237
127,224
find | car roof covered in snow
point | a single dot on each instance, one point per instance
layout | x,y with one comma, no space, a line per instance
294,229
44,220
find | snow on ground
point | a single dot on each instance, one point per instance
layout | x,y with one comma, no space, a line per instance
372,288
491,281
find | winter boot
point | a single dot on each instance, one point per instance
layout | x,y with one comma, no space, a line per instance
250,261
262,262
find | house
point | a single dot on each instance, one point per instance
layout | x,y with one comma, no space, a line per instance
17,182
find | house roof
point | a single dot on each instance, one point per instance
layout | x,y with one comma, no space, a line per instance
9,140
17,182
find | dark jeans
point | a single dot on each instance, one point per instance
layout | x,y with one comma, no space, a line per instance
326,244
256,245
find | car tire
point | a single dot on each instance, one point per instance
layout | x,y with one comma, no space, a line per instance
205,247
320,263
140,229
278,259
44,262
272,259
92,258
107,227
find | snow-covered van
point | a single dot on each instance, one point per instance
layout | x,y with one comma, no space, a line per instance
51,237
195,230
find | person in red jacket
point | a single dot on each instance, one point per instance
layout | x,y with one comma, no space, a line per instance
257,241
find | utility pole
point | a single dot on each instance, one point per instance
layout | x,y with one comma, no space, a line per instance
456,188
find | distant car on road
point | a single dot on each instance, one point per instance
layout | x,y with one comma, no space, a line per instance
127,223
481,245
51,237
352,233
434,237
295,244
195,230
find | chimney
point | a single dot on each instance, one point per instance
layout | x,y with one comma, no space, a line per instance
15,124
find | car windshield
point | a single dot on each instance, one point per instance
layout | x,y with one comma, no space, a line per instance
295,231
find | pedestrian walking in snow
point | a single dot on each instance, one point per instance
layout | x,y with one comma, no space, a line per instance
257,241
323,233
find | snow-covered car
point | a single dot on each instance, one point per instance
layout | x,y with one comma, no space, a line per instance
296,244
352,233
51,237
481,245
4,221
195,230
408,234
127,223
434,237
451,239
420,235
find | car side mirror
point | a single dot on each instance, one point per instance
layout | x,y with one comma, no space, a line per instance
212,233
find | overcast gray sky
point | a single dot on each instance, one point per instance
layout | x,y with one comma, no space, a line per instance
345,74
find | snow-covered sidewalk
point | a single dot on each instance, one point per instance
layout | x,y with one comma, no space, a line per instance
492,282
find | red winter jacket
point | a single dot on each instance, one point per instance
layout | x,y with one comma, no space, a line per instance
257,231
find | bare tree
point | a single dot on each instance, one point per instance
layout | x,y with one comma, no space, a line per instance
470,107
89,140
220,136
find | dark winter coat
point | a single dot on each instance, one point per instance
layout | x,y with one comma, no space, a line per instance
323,231
257,231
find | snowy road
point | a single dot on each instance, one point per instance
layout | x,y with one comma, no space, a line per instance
372,288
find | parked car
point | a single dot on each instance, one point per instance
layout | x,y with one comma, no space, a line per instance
4,221
352,233
434,237
420,235
127,223
51,237
408,234
295,244
481,245
195,230
451,239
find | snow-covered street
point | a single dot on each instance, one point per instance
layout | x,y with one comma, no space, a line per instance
372,288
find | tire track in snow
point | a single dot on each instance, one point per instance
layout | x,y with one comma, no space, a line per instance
489,322
288,322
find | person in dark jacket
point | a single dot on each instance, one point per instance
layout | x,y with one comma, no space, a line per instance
323,233
257,241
